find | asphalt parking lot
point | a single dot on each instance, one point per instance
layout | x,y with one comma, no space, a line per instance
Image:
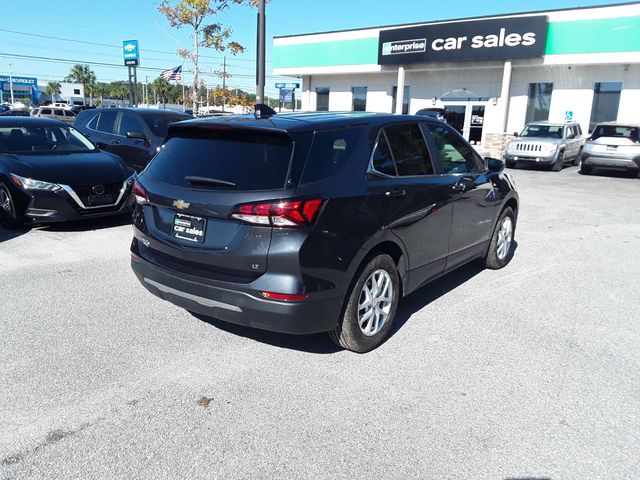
530,372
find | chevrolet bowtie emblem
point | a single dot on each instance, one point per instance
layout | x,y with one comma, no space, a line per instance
181,204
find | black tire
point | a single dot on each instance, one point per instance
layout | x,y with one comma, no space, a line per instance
576,159
585,169
8,215
556,167
510,164
348,334
496,260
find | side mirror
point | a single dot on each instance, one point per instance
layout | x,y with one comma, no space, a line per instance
494,165
516,134
137,136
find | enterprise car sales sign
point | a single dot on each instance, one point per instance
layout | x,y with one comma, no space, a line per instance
493,39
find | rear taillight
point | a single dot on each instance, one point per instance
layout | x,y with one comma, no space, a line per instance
294,213
285,297
140,193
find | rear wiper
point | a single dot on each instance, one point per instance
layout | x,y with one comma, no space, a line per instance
208,181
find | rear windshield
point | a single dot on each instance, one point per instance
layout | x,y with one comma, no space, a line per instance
244,160
159,124
630,133
543,131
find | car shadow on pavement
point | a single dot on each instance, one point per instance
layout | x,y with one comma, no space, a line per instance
89,224
8,234
319,343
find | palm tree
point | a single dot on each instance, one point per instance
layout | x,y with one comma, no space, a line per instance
84,75
161,88
100,90
53,88
120,91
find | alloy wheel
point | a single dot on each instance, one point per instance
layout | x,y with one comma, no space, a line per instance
505,237
375,302
5,202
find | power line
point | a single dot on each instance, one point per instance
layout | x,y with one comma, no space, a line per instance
50,37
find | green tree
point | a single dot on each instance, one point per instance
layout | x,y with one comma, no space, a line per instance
53,88
119,91
84,75
161,88
193,14
100,90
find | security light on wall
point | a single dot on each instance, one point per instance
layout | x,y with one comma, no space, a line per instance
434,100
495,100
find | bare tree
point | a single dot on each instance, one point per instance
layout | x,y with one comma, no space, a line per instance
193,14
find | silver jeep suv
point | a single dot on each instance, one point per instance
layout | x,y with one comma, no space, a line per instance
546,143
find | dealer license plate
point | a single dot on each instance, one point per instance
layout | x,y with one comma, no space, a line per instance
189,228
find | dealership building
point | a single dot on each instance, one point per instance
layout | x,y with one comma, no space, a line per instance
31,91
493,74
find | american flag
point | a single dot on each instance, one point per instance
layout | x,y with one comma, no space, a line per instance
173,74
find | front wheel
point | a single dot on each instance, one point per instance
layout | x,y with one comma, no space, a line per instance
371,307
559,162
8,215
577,159
510,164
501,245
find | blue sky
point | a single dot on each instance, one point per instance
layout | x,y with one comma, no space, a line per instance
110,22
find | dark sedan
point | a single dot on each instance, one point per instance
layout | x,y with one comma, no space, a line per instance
50,173
134,134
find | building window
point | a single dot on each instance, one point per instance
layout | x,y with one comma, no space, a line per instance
606,100
76,91
539,102
359,103
405,100
322,99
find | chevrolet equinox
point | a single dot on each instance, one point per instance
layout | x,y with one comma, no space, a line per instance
315,222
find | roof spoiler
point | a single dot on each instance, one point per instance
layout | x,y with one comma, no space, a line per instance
264,111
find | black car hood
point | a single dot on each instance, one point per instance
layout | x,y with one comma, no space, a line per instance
69,168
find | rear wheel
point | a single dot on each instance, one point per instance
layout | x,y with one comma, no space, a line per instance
585,169
371,307
576,159
8,215
501,246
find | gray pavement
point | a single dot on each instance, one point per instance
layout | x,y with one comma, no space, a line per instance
531,372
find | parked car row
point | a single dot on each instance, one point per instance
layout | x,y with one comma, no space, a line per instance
611,145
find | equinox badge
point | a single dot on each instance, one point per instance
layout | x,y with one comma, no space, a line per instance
181,204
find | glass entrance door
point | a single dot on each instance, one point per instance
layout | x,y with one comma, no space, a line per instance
468,119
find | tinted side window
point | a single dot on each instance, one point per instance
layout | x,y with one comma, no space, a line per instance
129,123
331,152
409,150
45,111
59,112
106,121
455,155
382,159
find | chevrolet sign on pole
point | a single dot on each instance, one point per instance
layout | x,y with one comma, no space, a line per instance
130,53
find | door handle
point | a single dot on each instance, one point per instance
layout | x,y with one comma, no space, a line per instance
398,192
115,142
458,187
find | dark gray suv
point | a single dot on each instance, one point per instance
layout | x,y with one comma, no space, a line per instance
134,134
315,222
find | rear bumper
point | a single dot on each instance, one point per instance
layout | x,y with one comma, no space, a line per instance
239,303
611,161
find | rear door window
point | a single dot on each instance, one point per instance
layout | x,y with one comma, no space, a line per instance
409,150
45,111
382,158
331,152
248,160
106,122
59,113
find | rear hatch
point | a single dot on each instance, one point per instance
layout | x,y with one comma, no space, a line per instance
202,190
615,140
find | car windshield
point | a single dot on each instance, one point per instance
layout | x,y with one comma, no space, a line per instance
630,133
542,131
39,139
159,124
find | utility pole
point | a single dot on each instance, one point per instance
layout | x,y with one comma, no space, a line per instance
260,67
224,82
11,82
146,90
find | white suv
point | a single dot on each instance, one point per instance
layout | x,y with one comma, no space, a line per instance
66,116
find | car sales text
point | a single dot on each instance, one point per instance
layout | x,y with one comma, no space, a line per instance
490,41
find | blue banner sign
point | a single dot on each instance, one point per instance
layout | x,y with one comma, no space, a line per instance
130,52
